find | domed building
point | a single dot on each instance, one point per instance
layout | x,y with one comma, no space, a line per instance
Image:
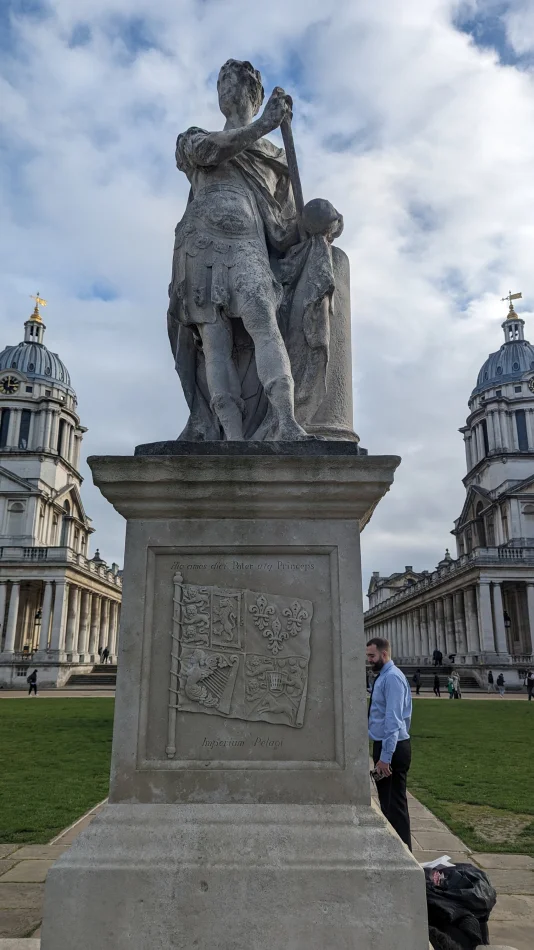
478,608
57,606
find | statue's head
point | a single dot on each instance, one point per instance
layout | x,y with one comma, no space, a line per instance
239,81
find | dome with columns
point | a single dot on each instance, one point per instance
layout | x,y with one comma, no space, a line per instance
32,358
514,359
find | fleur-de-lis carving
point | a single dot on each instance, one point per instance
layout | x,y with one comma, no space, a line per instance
262,612
276,636
296,615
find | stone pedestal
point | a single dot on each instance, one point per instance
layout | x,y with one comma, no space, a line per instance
240,811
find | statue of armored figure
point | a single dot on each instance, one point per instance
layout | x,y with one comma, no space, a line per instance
252,299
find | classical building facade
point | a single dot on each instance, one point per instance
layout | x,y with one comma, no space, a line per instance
479,606
57,606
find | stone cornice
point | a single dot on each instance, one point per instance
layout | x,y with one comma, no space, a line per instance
340,486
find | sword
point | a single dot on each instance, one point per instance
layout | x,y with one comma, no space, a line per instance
293,169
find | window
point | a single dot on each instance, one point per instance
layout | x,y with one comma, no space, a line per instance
491,533
4,426
29,389
485,436
61,437
48,392
521,425
517,389
499,393
16,511
24,432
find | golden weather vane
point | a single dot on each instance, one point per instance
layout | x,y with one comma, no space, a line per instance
39,301
511,297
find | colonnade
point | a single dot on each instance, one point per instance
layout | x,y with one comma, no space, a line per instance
75,621
465,622
501,430
44,432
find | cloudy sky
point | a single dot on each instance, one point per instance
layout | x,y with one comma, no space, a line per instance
416,119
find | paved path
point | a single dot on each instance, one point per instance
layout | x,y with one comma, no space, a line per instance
512,875
74,693
23,871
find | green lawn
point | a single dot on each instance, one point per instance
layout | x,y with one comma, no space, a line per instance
54,764
473,766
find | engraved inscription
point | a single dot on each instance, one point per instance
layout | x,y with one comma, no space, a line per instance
238,654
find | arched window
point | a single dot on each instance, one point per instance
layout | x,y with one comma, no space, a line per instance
16,511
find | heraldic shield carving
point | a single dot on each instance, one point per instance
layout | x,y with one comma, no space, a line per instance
239,654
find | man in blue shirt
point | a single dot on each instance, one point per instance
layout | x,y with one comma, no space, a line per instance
390,713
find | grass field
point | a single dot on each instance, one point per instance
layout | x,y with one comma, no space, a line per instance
473,766
54,764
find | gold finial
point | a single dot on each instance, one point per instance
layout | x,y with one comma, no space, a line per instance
39,301
510,296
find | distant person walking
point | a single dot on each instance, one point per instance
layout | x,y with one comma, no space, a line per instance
437,690
500,685
530,684
105,655
416,680
450,687
32,683
456,685
491,683
390,713
437,656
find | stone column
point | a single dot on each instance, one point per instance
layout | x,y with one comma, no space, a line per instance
487,641
423,624
468,458
416,633
530,428
54,430
450,640
96,608
504,429
45,618
500,630
12,617
440,626
3,599
59,617
104,625
73,614
471,620
85,616
459,622
431,620
13,428
530,607
39,440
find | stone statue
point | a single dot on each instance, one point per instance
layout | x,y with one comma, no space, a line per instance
251,294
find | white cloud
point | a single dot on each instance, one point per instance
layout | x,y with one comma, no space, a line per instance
423,140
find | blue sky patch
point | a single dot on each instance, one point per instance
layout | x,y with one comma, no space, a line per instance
487,28
99,290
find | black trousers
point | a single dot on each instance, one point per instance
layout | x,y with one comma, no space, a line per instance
392,791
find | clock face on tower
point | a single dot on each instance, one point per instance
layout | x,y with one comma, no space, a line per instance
531,384
9,385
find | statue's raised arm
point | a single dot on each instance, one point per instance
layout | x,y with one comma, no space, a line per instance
250,301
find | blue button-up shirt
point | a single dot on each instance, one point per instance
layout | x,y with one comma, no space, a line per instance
391,709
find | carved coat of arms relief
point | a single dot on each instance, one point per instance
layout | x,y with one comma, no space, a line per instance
239,654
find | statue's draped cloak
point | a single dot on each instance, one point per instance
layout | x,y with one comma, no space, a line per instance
302,275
